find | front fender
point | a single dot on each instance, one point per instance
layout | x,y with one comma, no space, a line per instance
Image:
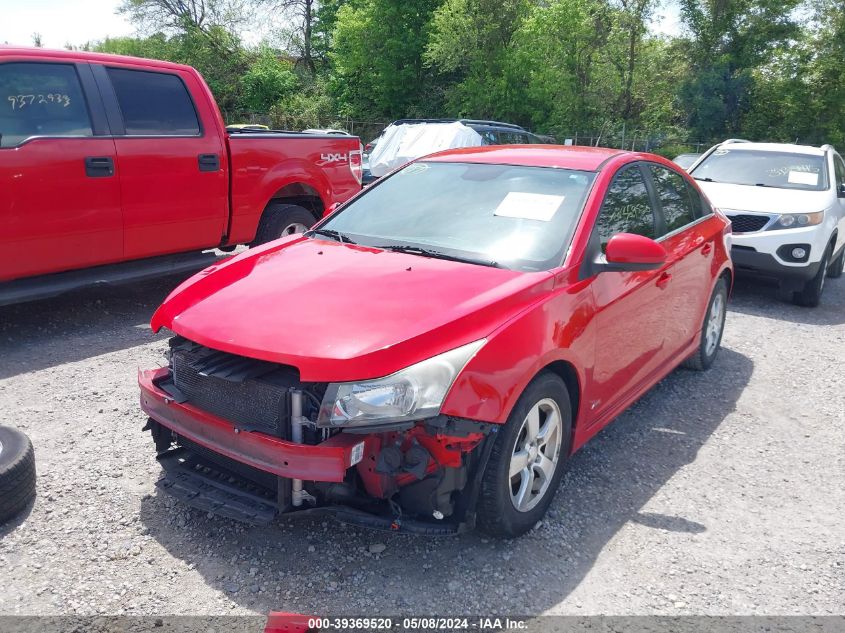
490,385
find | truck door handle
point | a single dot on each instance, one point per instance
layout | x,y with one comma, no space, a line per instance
706,249
208,162
663,280
99,166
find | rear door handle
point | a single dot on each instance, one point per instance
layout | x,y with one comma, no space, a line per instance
99,166
208,162
663,280
706,249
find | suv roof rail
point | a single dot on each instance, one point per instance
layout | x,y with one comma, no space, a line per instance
513,126
728,141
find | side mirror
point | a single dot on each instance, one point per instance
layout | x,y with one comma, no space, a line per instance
630,252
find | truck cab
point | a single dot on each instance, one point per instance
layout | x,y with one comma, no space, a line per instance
108,160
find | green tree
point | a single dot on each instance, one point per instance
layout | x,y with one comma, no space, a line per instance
378,69
267,81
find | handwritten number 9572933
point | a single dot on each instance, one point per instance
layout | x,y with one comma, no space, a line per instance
19,102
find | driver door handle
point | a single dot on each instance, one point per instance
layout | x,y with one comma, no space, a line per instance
663,280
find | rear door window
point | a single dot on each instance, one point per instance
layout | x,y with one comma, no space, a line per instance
673,194
154,104
626,207
39,99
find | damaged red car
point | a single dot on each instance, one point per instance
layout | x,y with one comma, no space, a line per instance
429,356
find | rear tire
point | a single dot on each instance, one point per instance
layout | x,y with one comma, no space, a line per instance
17,472
811,295
280,219
527,460
837,266
711,330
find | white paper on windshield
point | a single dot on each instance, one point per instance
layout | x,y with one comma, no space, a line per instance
803,178
529,206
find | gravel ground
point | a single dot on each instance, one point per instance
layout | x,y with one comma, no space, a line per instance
717,493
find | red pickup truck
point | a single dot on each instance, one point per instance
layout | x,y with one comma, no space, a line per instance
116,168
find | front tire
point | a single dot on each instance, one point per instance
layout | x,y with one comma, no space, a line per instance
527,460
712,329
837,266
17,472
811,295
280,219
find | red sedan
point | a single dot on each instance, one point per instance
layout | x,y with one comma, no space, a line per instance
429,356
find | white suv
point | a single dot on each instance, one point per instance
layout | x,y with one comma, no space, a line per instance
786,204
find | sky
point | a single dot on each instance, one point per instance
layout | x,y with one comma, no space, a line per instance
78,21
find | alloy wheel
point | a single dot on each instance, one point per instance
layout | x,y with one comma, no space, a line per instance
535,455
715,323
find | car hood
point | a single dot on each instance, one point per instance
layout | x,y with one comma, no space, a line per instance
341,312
728,197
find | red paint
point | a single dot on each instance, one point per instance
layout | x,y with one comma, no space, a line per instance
341,312
157,201
627,248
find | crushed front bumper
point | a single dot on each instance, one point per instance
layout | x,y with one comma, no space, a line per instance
327,461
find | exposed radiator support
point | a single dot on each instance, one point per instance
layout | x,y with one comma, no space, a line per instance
296,424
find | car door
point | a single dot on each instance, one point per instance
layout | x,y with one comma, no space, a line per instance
59,188
630,306
690,251
173,179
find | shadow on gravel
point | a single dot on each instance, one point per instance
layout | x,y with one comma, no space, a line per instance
314,566
79,325
760,298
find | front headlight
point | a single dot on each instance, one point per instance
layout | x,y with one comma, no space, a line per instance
413,393
797,220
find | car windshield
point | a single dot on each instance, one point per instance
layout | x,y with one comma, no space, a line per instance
509,216
783,170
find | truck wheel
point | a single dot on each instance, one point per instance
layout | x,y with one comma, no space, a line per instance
811,294
281,219
527,460
837,266
17,472
711,329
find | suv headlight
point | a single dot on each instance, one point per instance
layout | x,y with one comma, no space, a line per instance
413,393
797,220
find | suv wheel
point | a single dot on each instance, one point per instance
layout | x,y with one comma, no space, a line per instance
837,266
811,294
281,219
527,460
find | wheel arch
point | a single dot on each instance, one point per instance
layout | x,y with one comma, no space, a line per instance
569,375
302,194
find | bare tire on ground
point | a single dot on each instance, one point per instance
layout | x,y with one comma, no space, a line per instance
17,472
711,329
527,459
280,219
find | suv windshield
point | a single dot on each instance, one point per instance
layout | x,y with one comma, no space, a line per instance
784,170
513,217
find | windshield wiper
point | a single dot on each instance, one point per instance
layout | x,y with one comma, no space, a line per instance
337,235
427,252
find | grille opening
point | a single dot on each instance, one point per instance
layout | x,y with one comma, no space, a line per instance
252,394
748,223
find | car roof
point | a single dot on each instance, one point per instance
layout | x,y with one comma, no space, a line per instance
776,147
563,156
87,56
473,123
